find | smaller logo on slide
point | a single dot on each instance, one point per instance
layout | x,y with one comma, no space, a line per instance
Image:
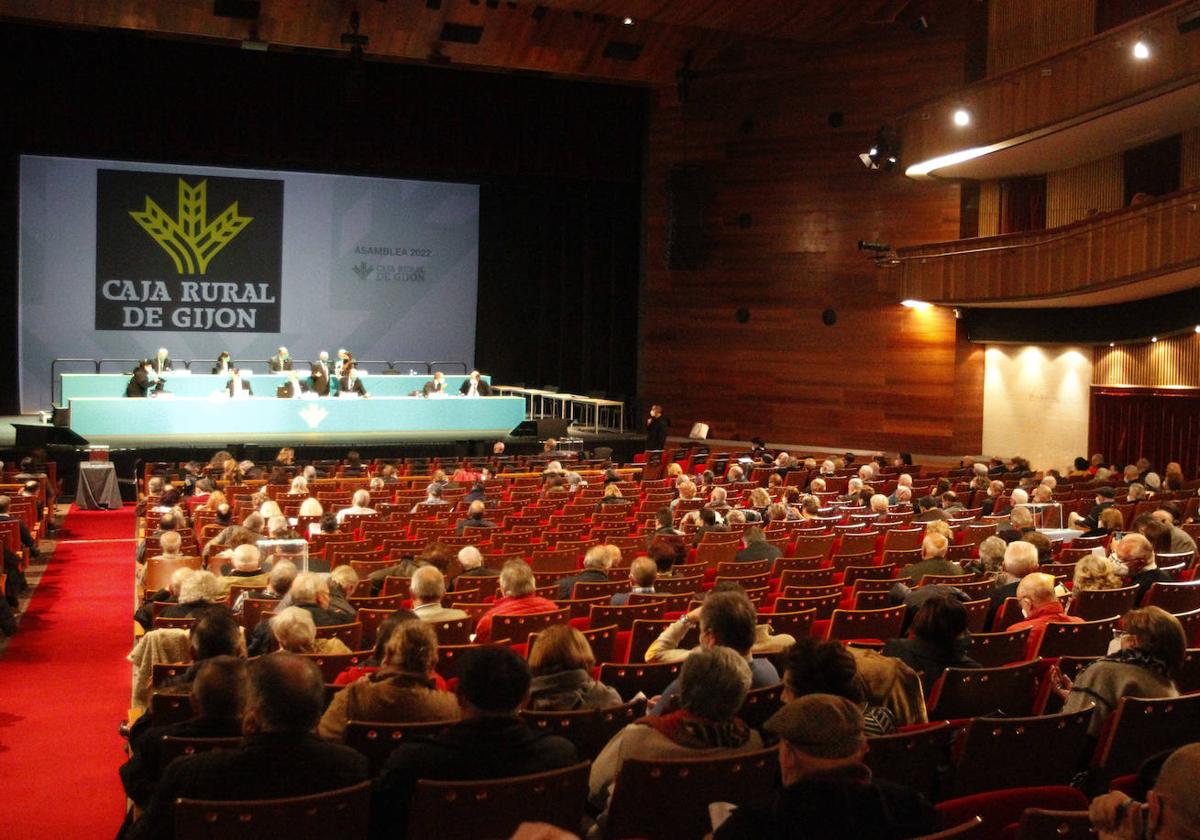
190,239
363,270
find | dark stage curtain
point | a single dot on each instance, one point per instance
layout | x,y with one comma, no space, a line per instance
1162,425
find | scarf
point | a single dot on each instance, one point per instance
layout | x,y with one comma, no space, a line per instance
1139,657
697,733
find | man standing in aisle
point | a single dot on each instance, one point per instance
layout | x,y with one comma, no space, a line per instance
657,427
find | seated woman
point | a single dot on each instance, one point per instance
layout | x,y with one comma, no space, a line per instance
401,691
713,684
613,499
1093,572
561,662
375,661
937,640
198,591
811,666
296,632
1111,523
1153,649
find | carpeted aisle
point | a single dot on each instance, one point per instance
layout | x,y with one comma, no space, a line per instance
64,686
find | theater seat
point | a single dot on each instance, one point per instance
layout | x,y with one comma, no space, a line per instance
337,813
1001,808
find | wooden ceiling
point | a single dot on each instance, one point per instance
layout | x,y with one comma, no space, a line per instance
560,37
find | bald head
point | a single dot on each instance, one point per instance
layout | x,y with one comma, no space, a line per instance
1038,587
1175,800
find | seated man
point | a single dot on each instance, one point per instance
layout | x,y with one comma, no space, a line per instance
756,547
218,697
596,564
1040,606
199,591
1106,497
167,522
491,741
294,630
281,361
933,560
169,544
247,570
310,592
342,582
643,572
279,581
475,386
433,497
360,505
435,386
727,619
1170,515
1171,810
475,512
145,613
427,589
1020,559
279,756
1135,553
471,560
518,597
349,382
825,782
1021,521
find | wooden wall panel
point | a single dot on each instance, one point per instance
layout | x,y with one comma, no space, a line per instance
1167,363
1020,31
883,376
1082,191
1189,159
989,208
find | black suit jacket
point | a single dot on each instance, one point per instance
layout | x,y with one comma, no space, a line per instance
139,385
473,749
160,366
656,432
567,584
270,765
277,364
357,387
433,387
483,389
320,378
245,387
140,774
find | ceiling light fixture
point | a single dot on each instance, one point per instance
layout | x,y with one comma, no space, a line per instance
1141,50
962,117
627,21
1153,339
919,305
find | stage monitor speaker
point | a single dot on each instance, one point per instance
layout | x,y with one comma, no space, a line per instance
552,427
30,436
689,194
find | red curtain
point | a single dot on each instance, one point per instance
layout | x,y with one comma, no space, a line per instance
1160,424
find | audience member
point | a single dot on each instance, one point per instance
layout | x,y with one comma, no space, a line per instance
360,505
401,691
643,572
1020,558
279,756
198,591
813,666
596,564
247,570
937,640
310,592
427,588
1137,560
1171,810
490,742
471,561
518,597
755,547
475,512
933,560
295,631
561,662
1040,606
826,787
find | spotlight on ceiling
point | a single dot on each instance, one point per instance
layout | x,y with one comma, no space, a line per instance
627,21
884,152
1198,328
919,305
1154,339
962,117
1141,50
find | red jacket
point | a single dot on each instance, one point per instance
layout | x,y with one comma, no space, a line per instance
521,605
1048,613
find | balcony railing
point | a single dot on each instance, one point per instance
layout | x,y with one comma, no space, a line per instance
1157,237
1097,75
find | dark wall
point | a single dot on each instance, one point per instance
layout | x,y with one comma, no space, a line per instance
559,163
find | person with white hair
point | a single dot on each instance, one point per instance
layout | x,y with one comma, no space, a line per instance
299,486
281,361
518,590
1020,559
427,588
1019,497
474,572
933,560
310,592
817,485
342,582
296,632
198,591
360,505
596,564
248,570
145,613
879,504
1020,523
735,474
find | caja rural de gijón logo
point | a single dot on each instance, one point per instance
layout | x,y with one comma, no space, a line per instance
190,240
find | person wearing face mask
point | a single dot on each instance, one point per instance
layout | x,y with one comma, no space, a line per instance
224,363
1134,556
350,382
1040,606
1105,498
319,373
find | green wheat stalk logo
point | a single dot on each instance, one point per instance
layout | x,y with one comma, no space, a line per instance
191,241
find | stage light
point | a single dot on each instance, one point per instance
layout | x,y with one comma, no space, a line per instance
1112,344
962,117
884,151
627,21
1198,328
1141,50
919,305
1154,339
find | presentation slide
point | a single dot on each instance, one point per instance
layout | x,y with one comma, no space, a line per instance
118,259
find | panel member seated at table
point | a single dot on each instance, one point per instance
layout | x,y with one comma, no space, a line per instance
162,361
292,388
319,374
475,386
350,382
435,386
344,359
141,382
237,387
281,361
224,363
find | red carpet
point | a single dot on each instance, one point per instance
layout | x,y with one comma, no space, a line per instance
64,686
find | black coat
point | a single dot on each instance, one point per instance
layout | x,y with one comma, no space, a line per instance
141,773
656,432
139,385
489,748
270,765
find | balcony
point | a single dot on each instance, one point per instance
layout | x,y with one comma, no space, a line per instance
1137,252
1094,99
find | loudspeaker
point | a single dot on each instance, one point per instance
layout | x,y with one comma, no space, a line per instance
526,428
689,193
30,436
